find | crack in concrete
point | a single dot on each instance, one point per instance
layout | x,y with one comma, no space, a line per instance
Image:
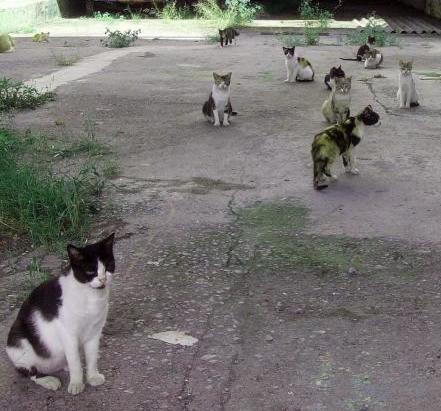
386,109
226,389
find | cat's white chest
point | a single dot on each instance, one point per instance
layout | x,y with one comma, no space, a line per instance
220,97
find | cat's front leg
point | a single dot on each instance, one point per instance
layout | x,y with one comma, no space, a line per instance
288,74
216,118
349,163
91,349
226,123
72,351
402,100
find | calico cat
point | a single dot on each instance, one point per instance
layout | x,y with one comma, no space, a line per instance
61,317
407,94
40,37
6,43
334,73
373,59
339,139
218,107
362,50
335,108
297,68
227,36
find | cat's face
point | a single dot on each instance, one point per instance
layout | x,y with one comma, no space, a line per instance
406,67
93,264
336,72
343,85
289,52
222,81
369,117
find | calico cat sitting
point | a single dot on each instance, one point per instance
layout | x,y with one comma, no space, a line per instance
335,72
227,36
218,107
407,94
336,108
297,68
6,43
373,59
61,317
336,140
361,53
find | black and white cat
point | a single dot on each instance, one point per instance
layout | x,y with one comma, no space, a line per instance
61,317
226,36
217,109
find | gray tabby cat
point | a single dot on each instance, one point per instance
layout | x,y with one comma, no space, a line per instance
218,107
336,108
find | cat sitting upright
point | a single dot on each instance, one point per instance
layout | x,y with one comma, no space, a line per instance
62,316
361,52
6,43
407,94
297,68
218,107
227,35
332,75
336,108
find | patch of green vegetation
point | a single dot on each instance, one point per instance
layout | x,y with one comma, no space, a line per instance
18,95
376,29
235,13
110,170
119,39
316,20
277,233
64,60
35,275
172,11
48,208
107,17
291,40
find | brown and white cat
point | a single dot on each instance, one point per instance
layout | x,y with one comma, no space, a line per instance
407,94
297,68
217,109
373,59
336,108
227,35
61,317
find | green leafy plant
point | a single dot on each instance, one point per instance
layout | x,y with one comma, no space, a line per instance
376,29
18,95
316,20
172,11
291,40
119,39
235,13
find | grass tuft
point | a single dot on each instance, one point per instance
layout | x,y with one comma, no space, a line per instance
18,95
119,39
64,60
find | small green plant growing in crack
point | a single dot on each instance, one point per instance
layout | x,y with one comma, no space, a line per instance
119,39
316,19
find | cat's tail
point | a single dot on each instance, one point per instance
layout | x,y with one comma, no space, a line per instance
327,81
341,58
234,113
414,104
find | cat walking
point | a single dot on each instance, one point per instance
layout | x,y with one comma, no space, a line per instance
61,317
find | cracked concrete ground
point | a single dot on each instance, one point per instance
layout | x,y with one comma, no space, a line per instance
222,236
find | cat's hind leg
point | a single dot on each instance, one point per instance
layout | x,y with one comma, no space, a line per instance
45,381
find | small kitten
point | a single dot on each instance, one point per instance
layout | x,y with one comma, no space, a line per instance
227,36
336,140
332,75
407,94
335,108
297,68
362,50
6,43
373,58
218,107
40,37
61,317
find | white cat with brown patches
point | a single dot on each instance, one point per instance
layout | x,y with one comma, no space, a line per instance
217,109
407,94
63,316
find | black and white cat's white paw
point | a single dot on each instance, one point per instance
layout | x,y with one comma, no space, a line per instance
96,379
75,387
48,382
226,123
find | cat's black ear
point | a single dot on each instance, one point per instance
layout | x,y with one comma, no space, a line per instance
108,243
74,253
